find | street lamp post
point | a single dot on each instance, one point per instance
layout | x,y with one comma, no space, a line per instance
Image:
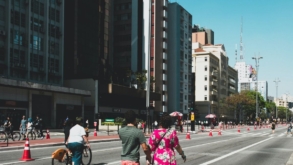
256,58
276,82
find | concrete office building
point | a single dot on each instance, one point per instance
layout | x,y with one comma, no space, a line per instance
179,58
215,80
31,62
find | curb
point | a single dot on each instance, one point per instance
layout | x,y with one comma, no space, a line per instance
290,161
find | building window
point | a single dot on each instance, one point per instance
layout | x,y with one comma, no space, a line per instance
205,68
205,59
185,77
185,97
205,78
36,43
205,98
205,87
185,107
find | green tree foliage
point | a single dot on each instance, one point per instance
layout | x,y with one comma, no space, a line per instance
281,112
140,79
245,102
271,108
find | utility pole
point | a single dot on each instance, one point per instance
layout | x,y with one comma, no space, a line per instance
276,82
256,58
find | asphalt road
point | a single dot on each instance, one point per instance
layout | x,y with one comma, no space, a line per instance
245,148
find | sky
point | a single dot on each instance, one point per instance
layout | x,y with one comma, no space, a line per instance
267,32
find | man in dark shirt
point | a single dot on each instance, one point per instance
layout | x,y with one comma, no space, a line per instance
132,138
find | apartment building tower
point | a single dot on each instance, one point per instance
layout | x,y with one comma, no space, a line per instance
179,58
215,80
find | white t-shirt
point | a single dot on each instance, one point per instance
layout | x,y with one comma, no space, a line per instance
76,133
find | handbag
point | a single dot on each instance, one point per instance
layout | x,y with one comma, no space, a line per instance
159,143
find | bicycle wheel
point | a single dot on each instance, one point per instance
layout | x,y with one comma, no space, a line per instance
3,138
31,136
86,156
16,136
66,160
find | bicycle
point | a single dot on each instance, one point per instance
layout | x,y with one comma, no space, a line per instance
62,156
14,135
3,136
34,133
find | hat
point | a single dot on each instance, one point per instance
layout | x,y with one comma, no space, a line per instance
78,119
29,119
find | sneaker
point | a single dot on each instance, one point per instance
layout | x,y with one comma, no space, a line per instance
42,137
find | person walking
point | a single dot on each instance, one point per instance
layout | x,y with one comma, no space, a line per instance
8,125
273,127
76,140
38,123
22,127
29,126
163,141
132,138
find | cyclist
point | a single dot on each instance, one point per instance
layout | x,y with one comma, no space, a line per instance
75,141
29,126
8,125
38,124
22,127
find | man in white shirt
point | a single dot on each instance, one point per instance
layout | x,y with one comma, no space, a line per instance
76,141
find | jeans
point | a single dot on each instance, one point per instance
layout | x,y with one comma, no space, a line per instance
76,149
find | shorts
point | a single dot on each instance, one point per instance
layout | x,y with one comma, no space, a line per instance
22,130
128,162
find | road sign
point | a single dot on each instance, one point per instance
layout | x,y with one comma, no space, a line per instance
109,120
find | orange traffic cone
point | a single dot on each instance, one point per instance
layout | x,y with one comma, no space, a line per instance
219,133
95,133
48,134
26,156
188,135
248,129
211,133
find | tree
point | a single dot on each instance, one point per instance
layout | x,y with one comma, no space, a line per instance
282,112
271,107
141,79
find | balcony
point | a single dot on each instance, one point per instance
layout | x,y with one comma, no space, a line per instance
165,14
214,73
165,24
164,34
232,81
164,87
214,92
164,45
214,82
164,66
164,55
165,3
164,77
214,102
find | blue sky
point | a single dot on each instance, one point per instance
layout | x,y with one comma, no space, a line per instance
267,31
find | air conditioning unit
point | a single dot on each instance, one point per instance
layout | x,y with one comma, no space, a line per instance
2,32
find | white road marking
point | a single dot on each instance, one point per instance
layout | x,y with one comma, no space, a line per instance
234,152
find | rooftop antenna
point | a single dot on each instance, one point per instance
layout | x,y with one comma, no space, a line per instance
241,44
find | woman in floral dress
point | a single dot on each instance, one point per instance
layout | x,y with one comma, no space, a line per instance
164,153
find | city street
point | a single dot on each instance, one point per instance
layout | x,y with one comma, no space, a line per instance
247,147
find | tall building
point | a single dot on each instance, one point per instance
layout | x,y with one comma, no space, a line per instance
86,51
31,62
127,39
31,41
215,80
158,51
179,58
202,36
